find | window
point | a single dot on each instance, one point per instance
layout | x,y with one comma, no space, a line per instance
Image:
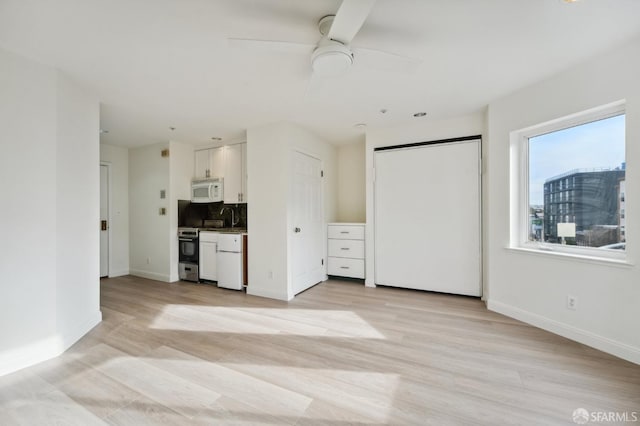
584,152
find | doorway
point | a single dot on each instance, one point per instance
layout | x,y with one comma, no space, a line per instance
306,235
104,220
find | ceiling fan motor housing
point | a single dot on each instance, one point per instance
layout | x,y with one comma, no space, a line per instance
331,59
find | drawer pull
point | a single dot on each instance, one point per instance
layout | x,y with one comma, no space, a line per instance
344,232
344,267
344,248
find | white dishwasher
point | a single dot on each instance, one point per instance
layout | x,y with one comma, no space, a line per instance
230,261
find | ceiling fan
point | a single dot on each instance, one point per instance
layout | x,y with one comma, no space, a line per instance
333,55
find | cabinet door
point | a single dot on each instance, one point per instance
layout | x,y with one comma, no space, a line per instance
243,193
202,167
208,268
233,174
216,161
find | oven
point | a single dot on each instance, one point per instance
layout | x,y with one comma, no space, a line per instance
188,254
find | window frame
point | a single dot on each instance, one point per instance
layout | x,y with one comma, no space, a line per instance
519,182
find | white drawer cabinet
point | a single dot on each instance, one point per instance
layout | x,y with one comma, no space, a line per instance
346,232
344,267
345,248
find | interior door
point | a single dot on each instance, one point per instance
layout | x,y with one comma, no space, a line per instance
307,219
427,217
104,221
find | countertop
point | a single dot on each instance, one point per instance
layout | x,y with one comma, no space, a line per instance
225,230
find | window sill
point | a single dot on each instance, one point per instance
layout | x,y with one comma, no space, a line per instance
621,263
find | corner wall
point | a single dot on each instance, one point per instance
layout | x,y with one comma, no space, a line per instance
352,178
149,255
534,287
181,164
78,212
269,149
49,264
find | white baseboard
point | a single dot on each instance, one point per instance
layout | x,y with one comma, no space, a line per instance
268,293
28,355
42,350
613,347
150,275
71,337
368,282
120,273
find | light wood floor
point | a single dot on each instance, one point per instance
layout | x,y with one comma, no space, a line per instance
339,354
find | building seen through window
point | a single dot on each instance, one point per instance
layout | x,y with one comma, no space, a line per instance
577,180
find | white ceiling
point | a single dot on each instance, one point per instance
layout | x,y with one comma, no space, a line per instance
161,63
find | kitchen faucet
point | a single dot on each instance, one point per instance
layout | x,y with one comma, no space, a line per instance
233,218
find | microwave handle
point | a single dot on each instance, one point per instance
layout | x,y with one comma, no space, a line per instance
211,191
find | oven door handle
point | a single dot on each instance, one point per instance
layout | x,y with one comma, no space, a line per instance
186,240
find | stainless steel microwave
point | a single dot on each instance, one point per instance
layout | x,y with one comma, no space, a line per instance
206,191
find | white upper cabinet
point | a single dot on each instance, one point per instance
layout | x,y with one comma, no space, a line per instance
209,163
245,197
216,161
228,162
202,167
235,182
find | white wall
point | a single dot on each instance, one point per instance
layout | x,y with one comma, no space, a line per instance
28,163
268,185
534,287
78,211
181,164
149,255
269,172
118,158
352,178
470,125
49,147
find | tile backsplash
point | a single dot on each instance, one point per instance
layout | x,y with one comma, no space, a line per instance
194,214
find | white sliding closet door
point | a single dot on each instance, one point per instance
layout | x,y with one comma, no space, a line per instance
427,217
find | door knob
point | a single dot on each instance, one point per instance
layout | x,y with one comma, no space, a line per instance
296,229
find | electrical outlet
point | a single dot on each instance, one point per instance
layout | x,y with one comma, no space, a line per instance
572,302
270,275
148,260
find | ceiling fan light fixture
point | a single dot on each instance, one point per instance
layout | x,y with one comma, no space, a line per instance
331,60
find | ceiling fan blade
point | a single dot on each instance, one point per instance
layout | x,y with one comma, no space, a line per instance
272,45
349,19
384,61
